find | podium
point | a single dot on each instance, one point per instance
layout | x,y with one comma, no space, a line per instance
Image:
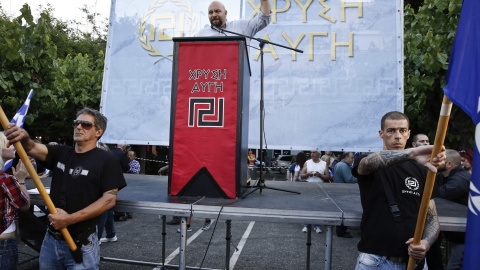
209,117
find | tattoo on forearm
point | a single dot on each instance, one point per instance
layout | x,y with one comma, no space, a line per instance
113,192
382,160
432,226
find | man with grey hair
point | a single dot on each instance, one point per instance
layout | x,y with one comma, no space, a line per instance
217,15
343,169
85,183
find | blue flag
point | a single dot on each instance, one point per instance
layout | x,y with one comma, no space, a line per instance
463,89
18,120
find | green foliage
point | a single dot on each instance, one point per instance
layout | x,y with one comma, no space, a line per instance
64,67
428,40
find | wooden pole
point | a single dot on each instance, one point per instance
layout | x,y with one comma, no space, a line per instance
427,192
36,180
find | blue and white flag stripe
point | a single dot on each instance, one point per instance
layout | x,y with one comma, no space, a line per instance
463,89
18,120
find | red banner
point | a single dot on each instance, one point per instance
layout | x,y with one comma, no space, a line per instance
205,131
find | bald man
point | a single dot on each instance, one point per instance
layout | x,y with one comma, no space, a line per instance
217,15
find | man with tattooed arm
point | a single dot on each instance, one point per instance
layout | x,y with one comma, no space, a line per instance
391,186
85,182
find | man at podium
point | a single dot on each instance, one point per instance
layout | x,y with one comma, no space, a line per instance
217,14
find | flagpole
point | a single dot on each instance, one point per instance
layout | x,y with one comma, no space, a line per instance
76,253
427,191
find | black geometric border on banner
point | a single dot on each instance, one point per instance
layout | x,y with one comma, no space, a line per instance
203,183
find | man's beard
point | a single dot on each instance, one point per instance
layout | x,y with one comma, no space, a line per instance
218,24
442,168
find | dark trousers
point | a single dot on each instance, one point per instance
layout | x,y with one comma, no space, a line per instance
434,255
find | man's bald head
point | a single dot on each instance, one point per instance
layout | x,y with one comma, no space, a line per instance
217,14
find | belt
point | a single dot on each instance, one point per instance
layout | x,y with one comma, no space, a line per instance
397,259
56,235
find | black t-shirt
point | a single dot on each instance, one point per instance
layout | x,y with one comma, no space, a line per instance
380,234
83,177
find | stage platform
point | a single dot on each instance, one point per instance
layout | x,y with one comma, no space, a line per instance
319,203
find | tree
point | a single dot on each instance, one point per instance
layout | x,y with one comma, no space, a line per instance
26,54
428,41
62,85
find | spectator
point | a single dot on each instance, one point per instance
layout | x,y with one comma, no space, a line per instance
13,196
106,219
121,154
337,156
455,187
327,159
301,159
122,157
134,165
343,174
328,155
343,170
291,168
251,158
420,140
315,170
467,158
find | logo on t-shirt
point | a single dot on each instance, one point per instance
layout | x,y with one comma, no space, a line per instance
78,171
412,183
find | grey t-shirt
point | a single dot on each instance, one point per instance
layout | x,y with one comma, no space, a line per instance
248,27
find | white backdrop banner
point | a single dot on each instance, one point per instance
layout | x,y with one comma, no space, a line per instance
331,97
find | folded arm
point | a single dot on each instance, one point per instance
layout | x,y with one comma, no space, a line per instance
388,158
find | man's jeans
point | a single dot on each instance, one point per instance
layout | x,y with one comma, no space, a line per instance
55,254
366,261
106,221
8,254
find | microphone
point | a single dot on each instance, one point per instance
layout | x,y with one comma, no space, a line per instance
216,29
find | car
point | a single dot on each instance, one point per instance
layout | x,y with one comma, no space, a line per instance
282,162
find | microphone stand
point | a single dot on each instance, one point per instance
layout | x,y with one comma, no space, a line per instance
260,185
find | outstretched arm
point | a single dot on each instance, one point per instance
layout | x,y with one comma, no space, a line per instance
265,7
388,158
